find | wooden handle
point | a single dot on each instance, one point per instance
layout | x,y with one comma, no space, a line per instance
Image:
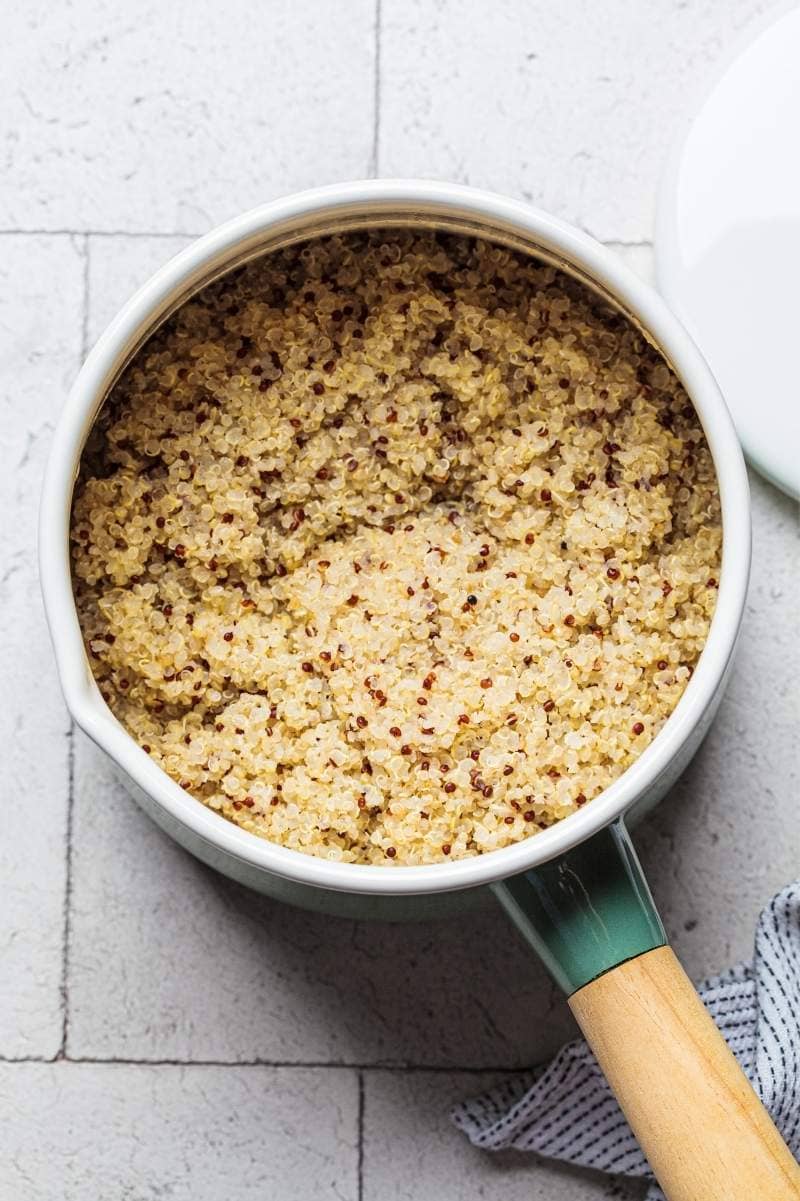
704,1131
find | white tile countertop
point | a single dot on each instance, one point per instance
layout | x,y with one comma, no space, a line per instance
164,1033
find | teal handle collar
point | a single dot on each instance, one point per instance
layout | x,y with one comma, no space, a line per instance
586,911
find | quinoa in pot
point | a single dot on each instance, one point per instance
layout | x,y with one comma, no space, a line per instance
395,546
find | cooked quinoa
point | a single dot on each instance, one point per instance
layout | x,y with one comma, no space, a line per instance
395,546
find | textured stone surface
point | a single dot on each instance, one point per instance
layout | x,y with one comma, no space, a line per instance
77,1131
727,837
41,300
572,106
173,117
117,267
412,1153
168,118
639,258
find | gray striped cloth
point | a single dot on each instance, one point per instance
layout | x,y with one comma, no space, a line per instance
566,1111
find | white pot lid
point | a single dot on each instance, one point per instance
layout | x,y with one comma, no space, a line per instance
728,242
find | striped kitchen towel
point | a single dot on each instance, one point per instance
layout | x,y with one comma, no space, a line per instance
566,1111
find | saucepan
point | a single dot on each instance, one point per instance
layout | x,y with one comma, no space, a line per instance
575,890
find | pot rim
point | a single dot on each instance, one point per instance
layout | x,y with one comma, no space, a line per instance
177,279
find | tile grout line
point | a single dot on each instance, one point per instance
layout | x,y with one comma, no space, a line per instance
623,244
65,935
360,1128
66,932
289,1064
86,249
376,93
101,233
612,243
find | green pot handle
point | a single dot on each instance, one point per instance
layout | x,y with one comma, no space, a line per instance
586,911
